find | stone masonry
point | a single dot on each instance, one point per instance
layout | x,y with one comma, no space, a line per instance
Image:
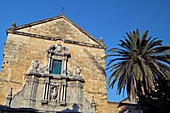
30,42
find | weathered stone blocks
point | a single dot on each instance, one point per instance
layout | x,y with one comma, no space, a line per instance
20,51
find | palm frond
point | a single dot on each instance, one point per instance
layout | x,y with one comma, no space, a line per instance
141,62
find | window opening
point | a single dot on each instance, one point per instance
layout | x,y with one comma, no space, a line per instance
56,68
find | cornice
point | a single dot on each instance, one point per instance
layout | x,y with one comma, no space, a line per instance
55,39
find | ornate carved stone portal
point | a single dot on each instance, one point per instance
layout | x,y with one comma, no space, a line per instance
53,88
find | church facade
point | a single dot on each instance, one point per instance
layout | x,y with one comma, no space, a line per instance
53,65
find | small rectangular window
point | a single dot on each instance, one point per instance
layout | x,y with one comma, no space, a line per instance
56,67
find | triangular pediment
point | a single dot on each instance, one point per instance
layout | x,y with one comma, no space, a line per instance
58,27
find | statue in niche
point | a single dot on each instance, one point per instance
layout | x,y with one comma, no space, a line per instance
77,70
54,93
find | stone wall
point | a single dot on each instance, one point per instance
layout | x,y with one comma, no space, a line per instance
59,28
20,51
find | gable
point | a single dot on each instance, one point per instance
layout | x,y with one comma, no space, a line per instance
59,27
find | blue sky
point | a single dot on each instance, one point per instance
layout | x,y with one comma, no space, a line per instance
110,19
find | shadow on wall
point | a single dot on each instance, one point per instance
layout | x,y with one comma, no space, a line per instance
96,62
73,110
129,108
6,109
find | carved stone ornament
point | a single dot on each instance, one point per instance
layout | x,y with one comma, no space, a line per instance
35,64
93,104
77,70
58,49
44,70
54,93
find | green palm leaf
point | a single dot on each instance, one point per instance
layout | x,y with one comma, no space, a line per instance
141,62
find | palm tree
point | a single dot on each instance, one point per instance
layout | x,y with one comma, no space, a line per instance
138,64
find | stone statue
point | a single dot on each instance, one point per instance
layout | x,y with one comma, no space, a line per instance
54,93
77,70
35,64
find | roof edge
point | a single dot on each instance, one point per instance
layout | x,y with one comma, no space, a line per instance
35,23
54,18
85,32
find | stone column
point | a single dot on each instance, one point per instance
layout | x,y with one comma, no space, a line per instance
58,93
34,86
49,93
46,91
63,93
65,66
49,63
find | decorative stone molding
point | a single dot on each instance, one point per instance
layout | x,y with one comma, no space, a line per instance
59,53
13,25
49,90
54,93
69,73
58,49
44,71
57,94
93,104
56,38
77,70
9,98
35,64
75,85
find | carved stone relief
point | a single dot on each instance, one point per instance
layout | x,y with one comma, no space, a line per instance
77,70
35,65
46,92
54,93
